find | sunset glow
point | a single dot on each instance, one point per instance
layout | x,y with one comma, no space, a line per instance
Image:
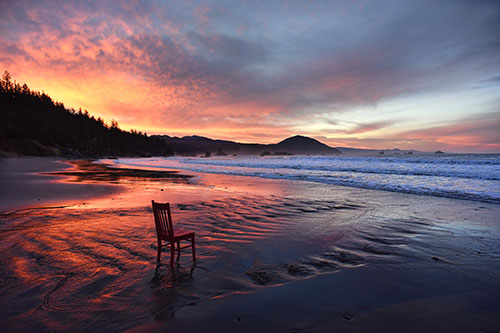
421,75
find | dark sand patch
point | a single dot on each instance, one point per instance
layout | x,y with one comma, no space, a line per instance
23,184
86,170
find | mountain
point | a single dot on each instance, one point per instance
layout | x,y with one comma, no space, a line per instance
196,145
304,145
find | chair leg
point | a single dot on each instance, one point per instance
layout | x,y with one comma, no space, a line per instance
172,253
178,249
159,251
194,251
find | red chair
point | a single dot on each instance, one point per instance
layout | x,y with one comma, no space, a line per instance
165,232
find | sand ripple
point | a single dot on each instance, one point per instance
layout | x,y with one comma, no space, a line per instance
97,267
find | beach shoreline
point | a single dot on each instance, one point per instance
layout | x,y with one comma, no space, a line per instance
277,254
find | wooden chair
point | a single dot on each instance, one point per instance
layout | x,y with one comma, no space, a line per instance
166,232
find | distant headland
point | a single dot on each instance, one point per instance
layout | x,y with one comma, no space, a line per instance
196,145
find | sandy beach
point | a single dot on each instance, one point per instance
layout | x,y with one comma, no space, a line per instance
78,252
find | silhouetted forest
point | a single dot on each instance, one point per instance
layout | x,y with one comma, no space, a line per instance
31,123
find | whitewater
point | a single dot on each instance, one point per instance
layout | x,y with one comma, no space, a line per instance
462,176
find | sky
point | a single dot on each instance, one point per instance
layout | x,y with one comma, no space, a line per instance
421,75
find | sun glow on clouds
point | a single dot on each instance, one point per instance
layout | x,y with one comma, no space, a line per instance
419,75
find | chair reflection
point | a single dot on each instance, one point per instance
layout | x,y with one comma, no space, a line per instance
173,275
171,287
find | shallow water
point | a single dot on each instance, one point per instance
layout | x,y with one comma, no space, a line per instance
92,265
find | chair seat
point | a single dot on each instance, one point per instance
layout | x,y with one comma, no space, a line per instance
181,233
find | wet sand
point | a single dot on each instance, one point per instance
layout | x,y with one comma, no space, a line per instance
24,184
272,254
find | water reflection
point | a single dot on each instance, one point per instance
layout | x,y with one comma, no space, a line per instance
87,171
100,260
172,287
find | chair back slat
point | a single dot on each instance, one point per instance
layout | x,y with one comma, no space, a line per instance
163,220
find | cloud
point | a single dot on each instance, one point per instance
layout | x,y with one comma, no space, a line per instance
492,80
222,65
472,134
363,128
475,130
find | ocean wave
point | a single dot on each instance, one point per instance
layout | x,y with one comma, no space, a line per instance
488,171
470,178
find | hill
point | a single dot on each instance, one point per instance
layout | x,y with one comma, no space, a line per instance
304,145
196,145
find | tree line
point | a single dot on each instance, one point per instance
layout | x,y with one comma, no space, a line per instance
31,123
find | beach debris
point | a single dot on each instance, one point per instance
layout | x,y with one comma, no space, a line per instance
265,275
346,257
348,316
322,263
300,269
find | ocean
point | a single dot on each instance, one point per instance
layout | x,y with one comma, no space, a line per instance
463,176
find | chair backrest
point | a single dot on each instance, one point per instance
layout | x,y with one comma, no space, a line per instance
163,220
